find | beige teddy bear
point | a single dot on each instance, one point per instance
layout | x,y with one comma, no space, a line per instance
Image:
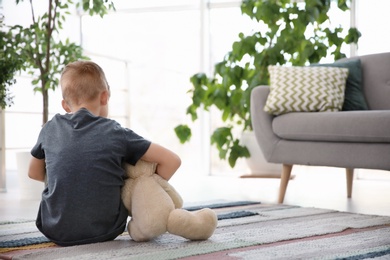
155,207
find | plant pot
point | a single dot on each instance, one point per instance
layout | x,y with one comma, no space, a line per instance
259,167
29,189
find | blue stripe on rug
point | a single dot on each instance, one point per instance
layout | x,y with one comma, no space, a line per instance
236,214
24,242
367,255
222,205
15,222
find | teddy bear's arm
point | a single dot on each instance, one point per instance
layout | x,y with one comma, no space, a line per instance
175,196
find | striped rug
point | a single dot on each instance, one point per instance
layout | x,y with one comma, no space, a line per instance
245,231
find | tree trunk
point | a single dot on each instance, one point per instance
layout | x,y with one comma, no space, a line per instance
45,96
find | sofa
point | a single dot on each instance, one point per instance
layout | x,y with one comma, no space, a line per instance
350,138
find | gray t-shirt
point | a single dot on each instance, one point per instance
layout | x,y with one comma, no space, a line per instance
84,155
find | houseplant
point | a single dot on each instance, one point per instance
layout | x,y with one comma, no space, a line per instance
289,32
44,53
10,63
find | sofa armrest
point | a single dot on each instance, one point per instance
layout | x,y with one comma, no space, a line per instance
262,122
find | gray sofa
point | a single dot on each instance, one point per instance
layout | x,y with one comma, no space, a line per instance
347,139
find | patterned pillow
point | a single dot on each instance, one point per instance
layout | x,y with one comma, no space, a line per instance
354,96
305,89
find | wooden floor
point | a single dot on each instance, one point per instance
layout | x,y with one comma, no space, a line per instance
319,187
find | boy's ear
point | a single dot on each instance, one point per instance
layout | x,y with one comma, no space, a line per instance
104,96
65,106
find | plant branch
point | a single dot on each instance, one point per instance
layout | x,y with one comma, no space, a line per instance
51,21
35,59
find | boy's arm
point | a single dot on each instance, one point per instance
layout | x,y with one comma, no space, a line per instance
37,169
167,161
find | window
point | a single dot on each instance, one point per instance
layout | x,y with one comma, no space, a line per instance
149,50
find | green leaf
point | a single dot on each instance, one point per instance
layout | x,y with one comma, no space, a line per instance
191,110
352,36
183,132
237,151
342,4
221,137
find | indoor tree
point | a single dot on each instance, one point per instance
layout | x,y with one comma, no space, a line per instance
10,63
287,32
40,47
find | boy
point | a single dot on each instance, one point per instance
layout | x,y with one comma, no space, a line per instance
80,156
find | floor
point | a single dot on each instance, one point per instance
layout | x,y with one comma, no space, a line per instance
320,187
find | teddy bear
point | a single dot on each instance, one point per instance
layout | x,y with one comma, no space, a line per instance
155,207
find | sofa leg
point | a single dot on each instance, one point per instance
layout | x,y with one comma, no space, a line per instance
284,181
349,172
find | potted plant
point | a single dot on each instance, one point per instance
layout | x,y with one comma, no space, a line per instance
41,48
44,54
9,65
289,32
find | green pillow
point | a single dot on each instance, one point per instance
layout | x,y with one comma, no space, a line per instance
354,97
305,89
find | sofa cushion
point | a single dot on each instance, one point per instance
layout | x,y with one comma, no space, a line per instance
346,126
354,96
305,89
